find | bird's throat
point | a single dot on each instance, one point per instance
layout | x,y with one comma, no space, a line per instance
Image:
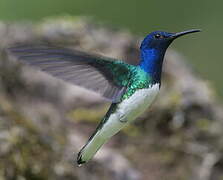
151,62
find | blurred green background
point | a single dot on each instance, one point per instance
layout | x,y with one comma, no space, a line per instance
141,17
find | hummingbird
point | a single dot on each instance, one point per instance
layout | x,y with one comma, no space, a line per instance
130,88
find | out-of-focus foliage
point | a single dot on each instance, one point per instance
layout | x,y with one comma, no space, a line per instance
44,122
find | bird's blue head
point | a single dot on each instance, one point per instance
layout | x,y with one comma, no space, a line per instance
153,49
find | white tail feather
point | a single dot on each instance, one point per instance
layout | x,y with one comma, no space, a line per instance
90,149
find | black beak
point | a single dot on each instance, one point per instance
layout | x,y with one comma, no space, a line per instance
176,35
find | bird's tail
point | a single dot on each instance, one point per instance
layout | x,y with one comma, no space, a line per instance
90,148
98,138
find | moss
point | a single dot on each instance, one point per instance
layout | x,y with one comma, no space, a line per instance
203,124
88,115
132,130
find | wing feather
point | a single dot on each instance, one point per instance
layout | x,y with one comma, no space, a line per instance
96,73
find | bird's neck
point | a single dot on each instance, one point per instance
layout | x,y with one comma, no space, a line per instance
151,62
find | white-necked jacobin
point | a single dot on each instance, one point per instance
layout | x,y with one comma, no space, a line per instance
130,88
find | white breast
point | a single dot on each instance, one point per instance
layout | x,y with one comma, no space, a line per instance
129,109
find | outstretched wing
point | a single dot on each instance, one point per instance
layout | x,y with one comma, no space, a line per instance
105,76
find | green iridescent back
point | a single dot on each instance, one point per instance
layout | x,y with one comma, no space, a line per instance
133,77
120,71
139,80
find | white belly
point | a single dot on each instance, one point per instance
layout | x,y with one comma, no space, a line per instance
128,110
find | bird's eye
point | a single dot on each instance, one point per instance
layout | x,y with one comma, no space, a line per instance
158,36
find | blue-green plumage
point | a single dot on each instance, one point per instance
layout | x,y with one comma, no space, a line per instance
131,89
